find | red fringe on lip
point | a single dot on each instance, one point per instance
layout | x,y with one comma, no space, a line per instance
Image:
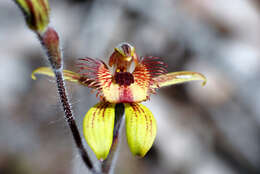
147,69
94,74
154,65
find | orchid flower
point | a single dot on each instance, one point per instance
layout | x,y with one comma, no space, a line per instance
119,84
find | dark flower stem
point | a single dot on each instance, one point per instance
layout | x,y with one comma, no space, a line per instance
109,164
50,41
70,119
36,14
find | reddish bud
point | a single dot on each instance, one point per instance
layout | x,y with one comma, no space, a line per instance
50,40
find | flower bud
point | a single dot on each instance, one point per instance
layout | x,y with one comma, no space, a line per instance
36,13
50,41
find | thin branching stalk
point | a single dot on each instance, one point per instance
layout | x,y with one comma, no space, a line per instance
109,164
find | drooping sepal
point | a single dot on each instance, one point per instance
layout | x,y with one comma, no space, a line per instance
140,128
177,77
36,13
98,126
67,75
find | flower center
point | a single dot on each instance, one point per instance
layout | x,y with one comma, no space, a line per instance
124,78
123,57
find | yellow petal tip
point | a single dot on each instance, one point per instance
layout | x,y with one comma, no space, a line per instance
33,76
140,154
178,77
204,82
42,70
203,78
68,75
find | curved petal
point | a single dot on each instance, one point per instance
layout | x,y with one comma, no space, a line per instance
147,69
98,126
68,75
177,77
140,128
95,74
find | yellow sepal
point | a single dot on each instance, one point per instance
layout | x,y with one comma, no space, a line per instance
98,126
68,75
140,128
178,77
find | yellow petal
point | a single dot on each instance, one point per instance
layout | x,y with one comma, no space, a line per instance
98,126
178,77
68,75
140,128
36,13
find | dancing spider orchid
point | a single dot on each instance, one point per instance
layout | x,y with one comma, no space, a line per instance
122,86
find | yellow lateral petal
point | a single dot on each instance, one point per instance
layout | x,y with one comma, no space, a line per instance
178,77
98,126
68,75
140,128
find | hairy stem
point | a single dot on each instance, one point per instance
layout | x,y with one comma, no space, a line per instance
70,119
36,13
109,164
50,41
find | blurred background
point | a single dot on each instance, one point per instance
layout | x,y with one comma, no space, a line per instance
201,130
